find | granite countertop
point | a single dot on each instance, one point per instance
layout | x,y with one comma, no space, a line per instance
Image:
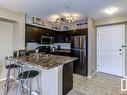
47,61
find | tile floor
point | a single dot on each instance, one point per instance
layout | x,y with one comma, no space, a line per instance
100,84
12,89
75,92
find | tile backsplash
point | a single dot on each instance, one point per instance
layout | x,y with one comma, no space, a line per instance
62,45
32,46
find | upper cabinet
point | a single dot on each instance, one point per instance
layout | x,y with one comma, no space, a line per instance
61,37
34,33
78,32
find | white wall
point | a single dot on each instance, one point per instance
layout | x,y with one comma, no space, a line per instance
92,64
111,20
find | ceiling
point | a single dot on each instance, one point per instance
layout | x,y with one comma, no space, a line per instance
46,8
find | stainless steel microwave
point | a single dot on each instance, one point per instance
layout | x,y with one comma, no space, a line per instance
47,40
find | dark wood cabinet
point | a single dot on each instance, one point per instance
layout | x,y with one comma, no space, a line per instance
61,37
34,33
78,32
67,78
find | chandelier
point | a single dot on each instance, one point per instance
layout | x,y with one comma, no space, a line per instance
64,18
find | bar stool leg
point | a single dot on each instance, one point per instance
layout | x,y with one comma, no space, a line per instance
27,87
18,90
22,90
41,92
39,87
7,82
30,83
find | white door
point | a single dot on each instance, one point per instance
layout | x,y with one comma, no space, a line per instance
6,45
110,49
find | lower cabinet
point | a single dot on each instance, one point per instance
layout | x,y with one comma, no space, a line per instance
67,78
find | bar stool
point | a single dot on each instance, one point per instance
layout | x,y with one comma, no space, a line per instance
27,76
10,64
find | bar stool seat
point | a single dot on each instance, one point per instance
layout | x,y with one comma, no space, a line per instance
27,77
11,66
28,74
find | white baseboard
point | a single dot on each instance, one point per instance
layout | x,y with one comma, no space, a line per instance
124,76
90,76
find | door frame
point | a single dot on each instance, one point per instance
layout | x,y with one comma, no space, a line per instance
123,48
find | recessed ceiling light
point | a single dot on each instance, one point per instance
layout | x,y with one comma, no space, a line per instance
111,10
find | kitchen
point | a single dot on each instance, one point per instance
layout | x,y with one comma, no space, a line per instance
18,44
35,37
59,51
61,43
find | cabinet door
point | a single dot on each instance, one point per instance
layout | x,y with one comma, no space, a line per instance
60,37
28,29
34,33
56,39
38,35
78,32
67,78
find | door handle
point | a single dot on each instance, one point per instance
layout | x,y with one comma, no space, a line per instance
120,49
123,46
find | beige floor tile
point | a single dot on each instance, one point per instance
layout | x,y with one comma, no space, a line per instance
100,84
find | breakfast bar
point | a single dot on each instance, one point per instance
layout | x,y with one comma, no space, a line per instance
56,72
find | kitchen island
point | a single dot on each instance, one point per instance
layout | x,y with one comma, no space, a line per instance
56,72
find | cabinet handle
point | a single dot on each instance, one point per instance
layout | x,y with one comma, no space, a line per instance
123,46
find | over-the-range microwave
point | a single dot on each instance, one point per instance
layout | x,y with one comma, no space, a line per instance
47,40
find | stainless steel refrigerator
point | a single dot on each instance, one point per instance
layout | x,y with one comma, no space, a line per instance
79,49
